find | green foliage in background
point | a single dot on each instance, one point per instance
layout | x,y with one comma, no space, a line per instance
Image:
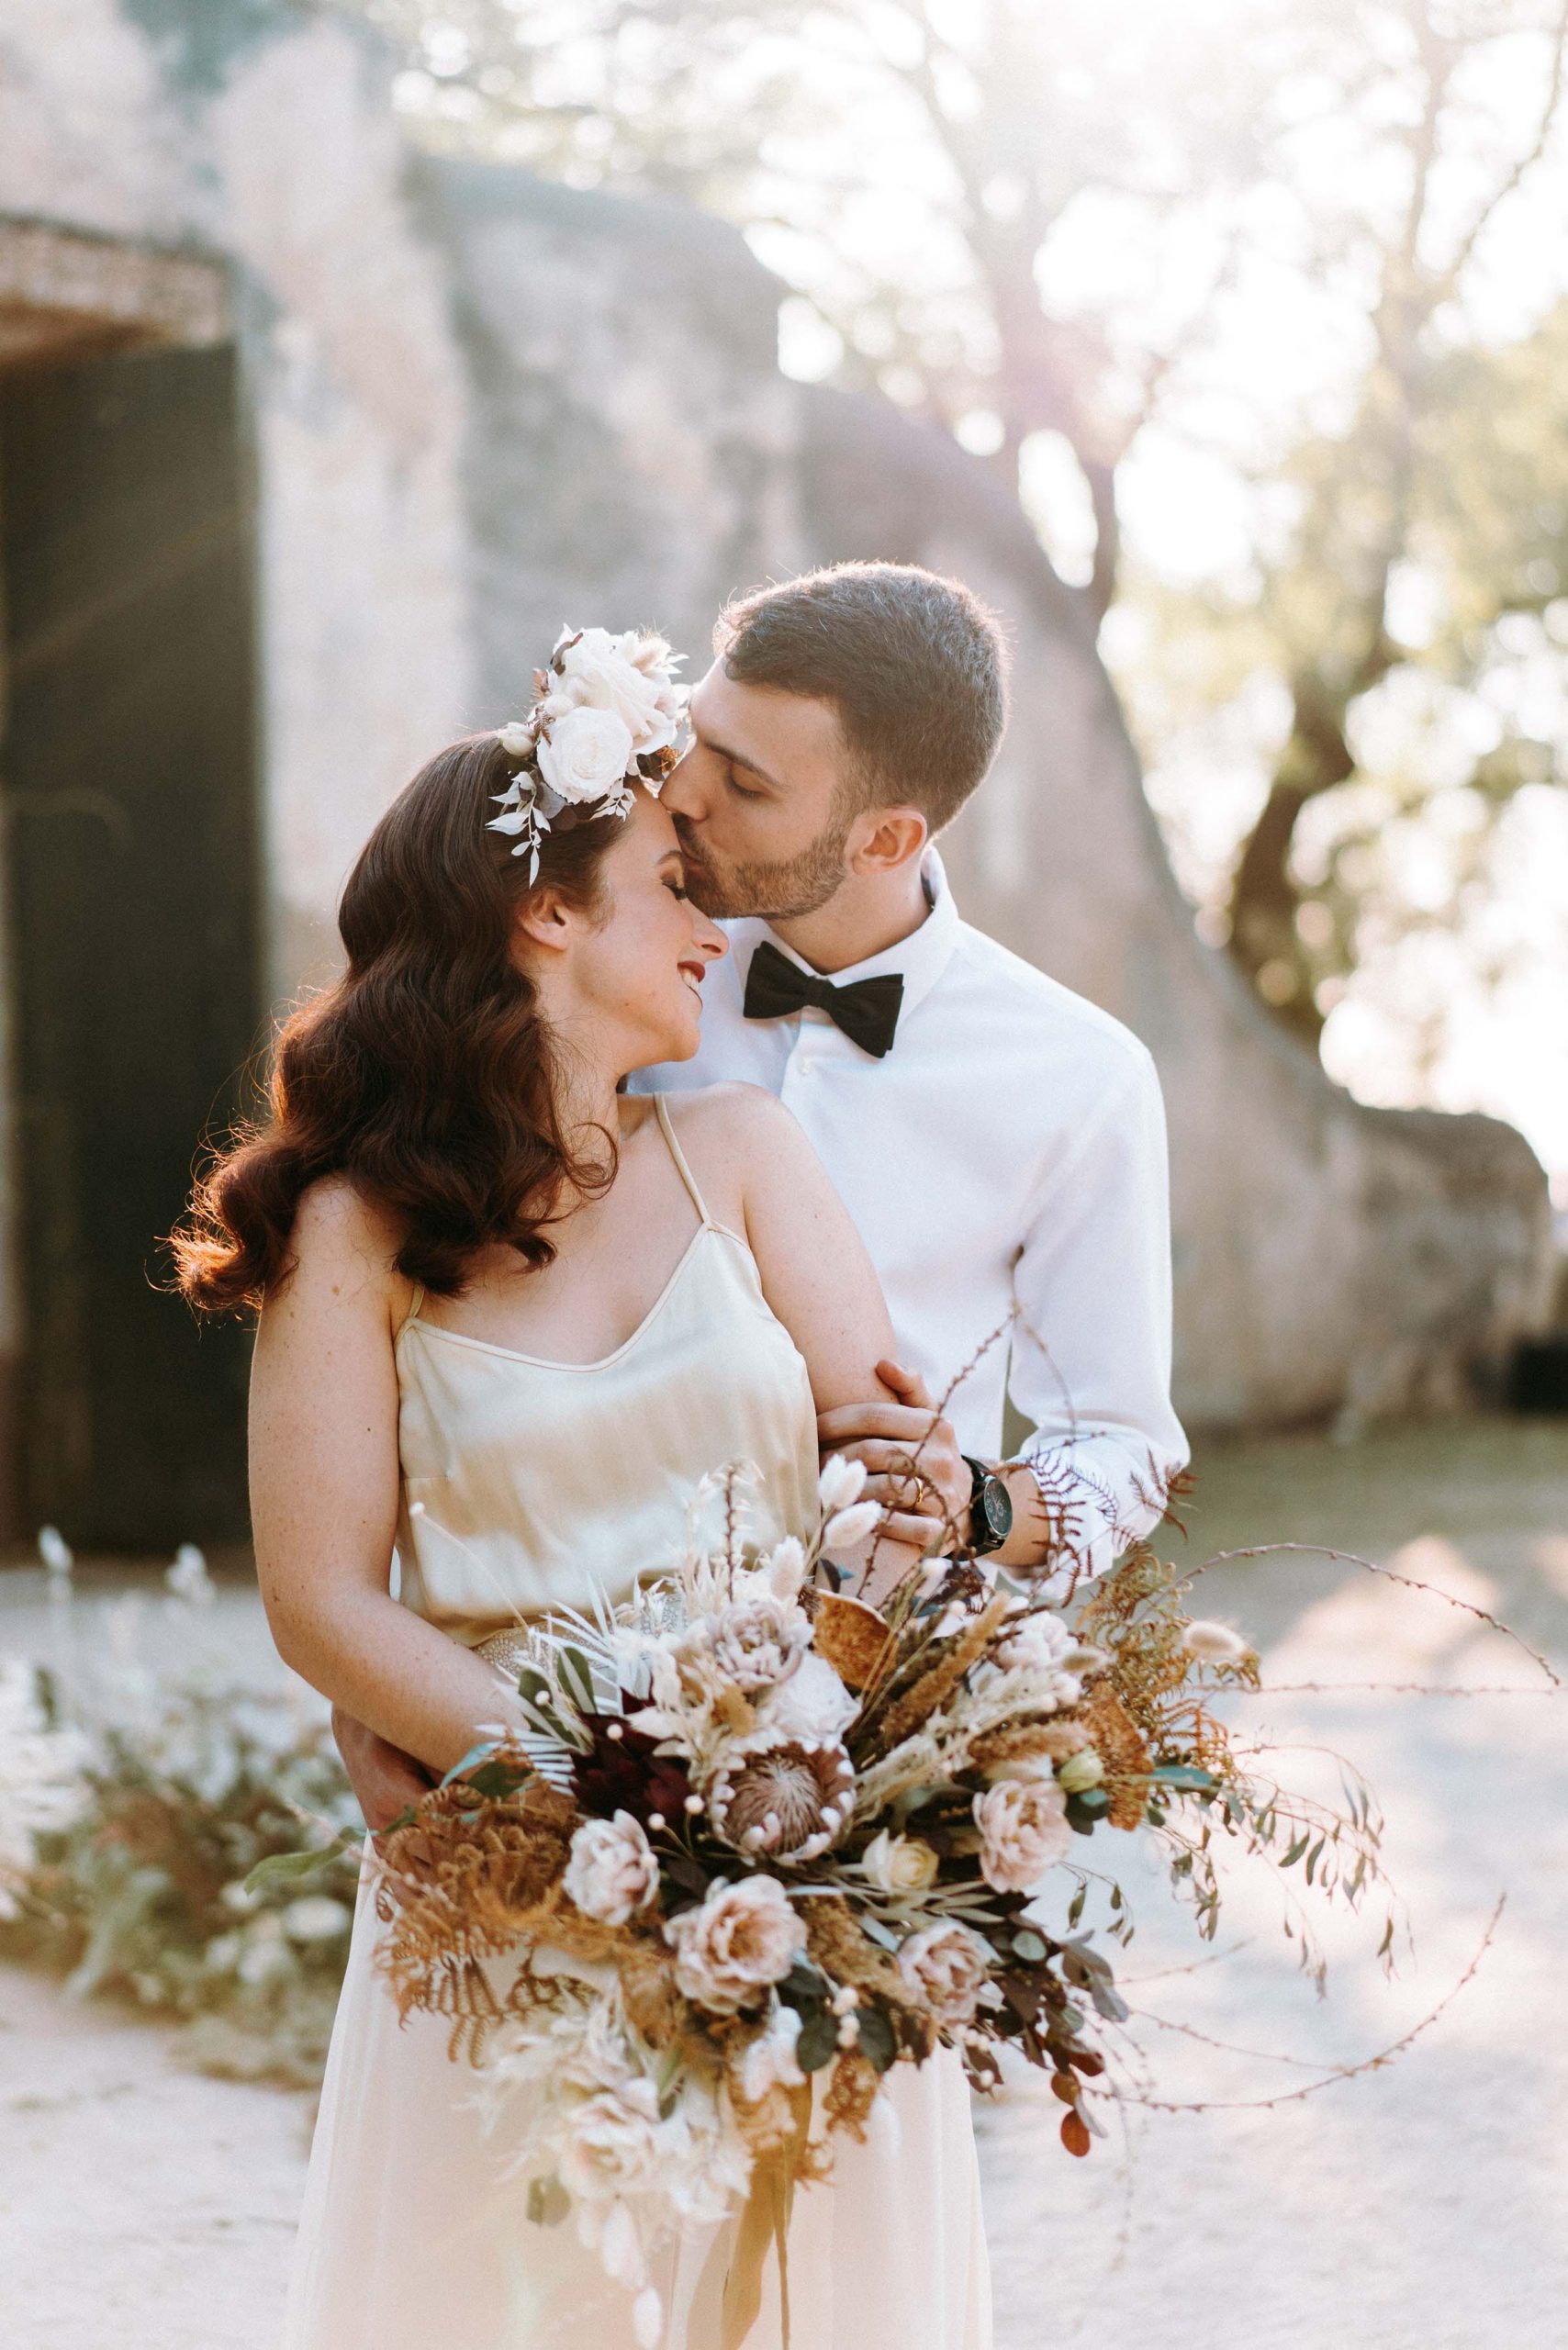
185,1786
1046,225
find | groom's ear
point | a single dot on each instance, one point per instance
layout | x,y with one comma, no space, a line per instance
882,839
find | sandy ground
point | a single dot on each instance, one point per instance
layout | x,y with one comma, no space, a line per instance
1420,2207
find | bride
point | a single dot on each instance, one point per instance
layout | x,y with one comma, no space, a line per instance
509,1317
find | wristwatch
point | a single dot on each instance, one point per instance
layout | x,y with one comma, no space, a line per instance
991,1509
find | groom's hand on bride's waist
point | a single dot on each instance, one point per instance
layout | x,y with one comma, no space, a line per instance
915,1467
385,1780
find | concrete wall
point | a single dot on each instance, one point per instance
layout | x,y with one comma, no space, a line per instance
480,406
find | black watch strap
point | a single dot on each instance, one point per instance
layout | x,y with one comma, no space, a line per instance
991,1509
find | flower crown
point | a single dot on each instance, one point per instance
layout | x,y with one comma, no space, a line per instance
606,715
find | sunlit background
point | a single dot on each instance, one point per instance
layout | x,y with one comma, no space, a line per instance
1259,307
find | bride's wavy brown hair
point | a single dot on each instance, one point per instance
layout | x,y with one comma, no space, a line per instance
426,1074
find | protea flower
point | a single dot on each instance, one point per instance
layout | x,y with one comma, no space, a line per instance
788,1796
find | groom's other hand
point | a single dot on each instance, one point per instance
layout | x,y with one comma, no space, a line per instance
385,1779
914,1466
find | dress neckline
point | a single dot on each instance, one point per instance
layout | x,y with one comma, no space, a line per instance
416,1320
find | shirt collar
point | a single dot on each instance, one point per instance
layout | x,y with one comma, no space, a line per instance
921,957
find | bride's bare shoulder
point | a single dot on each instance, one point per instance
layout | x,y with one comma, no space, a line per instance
733,1115
343,1242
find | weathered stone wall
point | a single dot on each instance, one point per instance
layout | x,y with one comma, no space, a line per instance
480,406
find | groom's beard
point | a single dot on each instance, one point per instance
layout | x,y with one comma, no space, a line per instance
777,891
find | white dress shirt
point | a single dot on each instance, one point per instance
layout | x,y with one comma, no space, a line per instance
1005,1164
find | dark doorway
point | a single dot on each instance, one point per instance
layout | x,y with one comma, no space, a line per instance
128,764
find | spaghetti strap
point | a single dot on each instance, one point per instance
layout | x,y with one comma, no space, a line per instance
676,1152
417,1301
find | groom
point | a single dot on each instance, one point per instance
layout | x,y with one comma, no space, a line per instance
999,1141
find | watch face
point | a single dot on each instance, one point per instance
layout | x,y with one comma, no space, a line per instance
996,1505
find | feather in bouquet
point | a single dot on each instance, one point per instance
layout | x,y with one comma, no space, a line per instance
758,1835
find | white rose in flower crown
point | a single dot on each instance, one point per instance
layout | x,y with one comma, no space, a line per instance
585,754
612,1872
947,1967
1023,1831
900,1863
742,1938
598,675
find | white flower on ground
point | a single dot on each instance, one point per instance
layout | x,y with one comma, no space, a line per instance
188,1578
317,1917
900,1863
612,1872
1023,1831
42,1786
770,2062
585,754
947,1968
739,1942
1214,1644
813,1704
55,1551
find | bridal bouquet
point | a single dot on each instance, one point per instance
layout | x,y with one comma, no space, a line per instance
759,1835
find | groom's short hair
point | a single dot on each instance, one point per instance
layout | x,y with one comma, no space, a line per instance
914,665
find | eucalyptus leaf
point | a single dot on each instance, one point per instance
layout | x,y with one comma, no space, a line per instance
818,2044
291,1868
548,2202
877,2038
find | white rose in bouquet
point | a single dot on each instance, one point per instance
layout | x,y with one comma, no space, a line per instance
947,1967
770,2061
610,2142
585,754
900,1863
812,1704
1023,1831
756,1641
740,1940
612,1872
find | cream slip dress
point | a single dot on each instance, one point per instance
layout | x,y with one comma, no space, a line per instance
525,1485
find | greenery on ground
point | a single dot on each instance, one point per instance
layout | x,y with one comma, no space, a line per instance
174,1788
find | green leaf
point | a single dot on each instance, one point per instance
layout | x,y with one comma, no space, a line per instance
1295,1852
496,1780
877,2038
1075,1907
577,1680
548,2202
475,1755
1031,1946
290,1868
818,2044
1185,1774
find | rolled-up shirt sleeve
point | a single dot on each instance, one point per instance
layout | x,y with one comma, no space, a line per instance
1091,1356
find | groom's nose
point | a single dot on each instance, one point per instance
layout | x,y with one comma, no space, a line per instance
682,794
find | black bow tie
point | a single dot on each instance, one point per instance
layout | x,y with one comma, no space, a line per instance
867,1010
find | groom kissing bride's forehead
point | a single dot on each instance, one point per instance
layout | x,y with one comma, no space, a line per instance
999,1141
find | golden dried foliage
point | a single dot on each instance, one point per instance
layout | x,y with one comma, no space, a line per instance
1065,1734
905,1714
1124,1750
852,1636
